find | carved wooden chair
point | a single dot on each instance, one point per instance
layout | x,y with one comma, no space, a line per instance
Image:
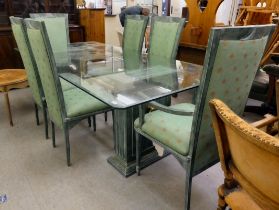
249,159
185,129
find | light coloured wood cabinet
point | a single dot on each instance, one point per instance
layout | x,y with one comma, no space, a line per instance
93,21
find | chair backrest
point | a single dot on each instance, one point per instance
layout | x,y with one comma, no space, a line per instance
231,62
164,36
43,54
58,32
34,80
134,30
247,155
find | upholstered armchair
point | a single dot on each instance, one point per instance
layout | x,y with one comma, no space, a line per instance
185,129
249,159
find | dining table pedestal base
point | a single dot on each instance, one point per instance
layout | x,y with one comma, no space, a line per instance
124,159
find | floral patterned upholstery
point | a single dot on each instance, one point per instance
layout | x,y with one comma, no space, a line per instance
46,75
164,36
172,130
78,102
134,29
233,72
33,78
57,30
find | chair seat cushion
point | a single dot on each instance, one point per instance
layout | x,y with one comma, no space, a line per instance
261,82
240,200
78,103
66,85
169,129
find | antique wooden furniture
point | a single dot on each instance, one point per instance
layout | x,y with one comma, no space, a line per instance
9,79
21,8
196,32
65,108
94,23
184,129
249,159
255,12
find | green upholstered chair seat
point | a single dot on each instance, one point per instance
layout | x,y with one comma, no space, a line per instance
169,129
78,103
66,85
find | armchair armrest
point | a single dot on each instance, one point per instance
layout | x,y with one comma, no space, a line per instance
268,120
160,107
168,109
272,69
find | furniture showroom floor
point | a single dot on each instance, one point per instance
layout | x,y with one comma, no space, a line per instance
33,175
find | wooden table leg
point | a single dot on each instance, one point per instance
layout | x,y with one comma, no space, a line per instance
9,108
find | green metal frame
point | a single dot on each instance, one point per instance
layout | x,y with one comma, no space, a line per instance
68,122
188,162
42,104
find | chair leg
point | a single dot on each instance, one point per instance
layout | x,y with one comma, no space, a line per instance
106,116
53,134
9,108
68,151
46,121
89,121
221,198
188,186
94,122
37,114
138,153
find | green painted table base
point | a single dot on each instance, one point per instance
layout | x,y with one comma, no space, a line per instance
124,159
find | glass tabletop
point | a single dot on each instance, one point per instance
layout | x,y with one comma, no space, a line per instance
124,79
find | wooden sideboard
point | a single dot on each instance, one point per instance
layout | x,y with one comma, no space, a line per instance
9,57
94,22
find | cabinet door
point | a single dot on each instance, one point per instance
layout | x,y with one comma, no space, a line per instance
10,58
4,15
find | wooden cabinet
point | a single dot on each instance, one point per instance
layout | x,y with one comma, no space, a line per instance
9,57
93,21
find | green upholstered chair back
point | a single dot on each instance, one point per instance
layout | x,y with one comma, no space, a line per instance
44,58
58,32
164,37
28,59
134,30
230,65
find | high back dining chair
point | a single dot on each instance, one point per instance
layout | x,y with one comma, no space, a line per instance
164,36
31,69
231,62
57,27
134,29
66,108
249,159
30,65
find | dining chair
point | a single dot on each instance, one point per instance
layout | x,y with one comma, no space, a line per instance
164,37
133,35
232,59
57,27
30,65
66,108
249,159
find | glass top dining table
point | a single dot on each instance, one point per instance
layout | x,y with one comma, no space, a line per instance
124,80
